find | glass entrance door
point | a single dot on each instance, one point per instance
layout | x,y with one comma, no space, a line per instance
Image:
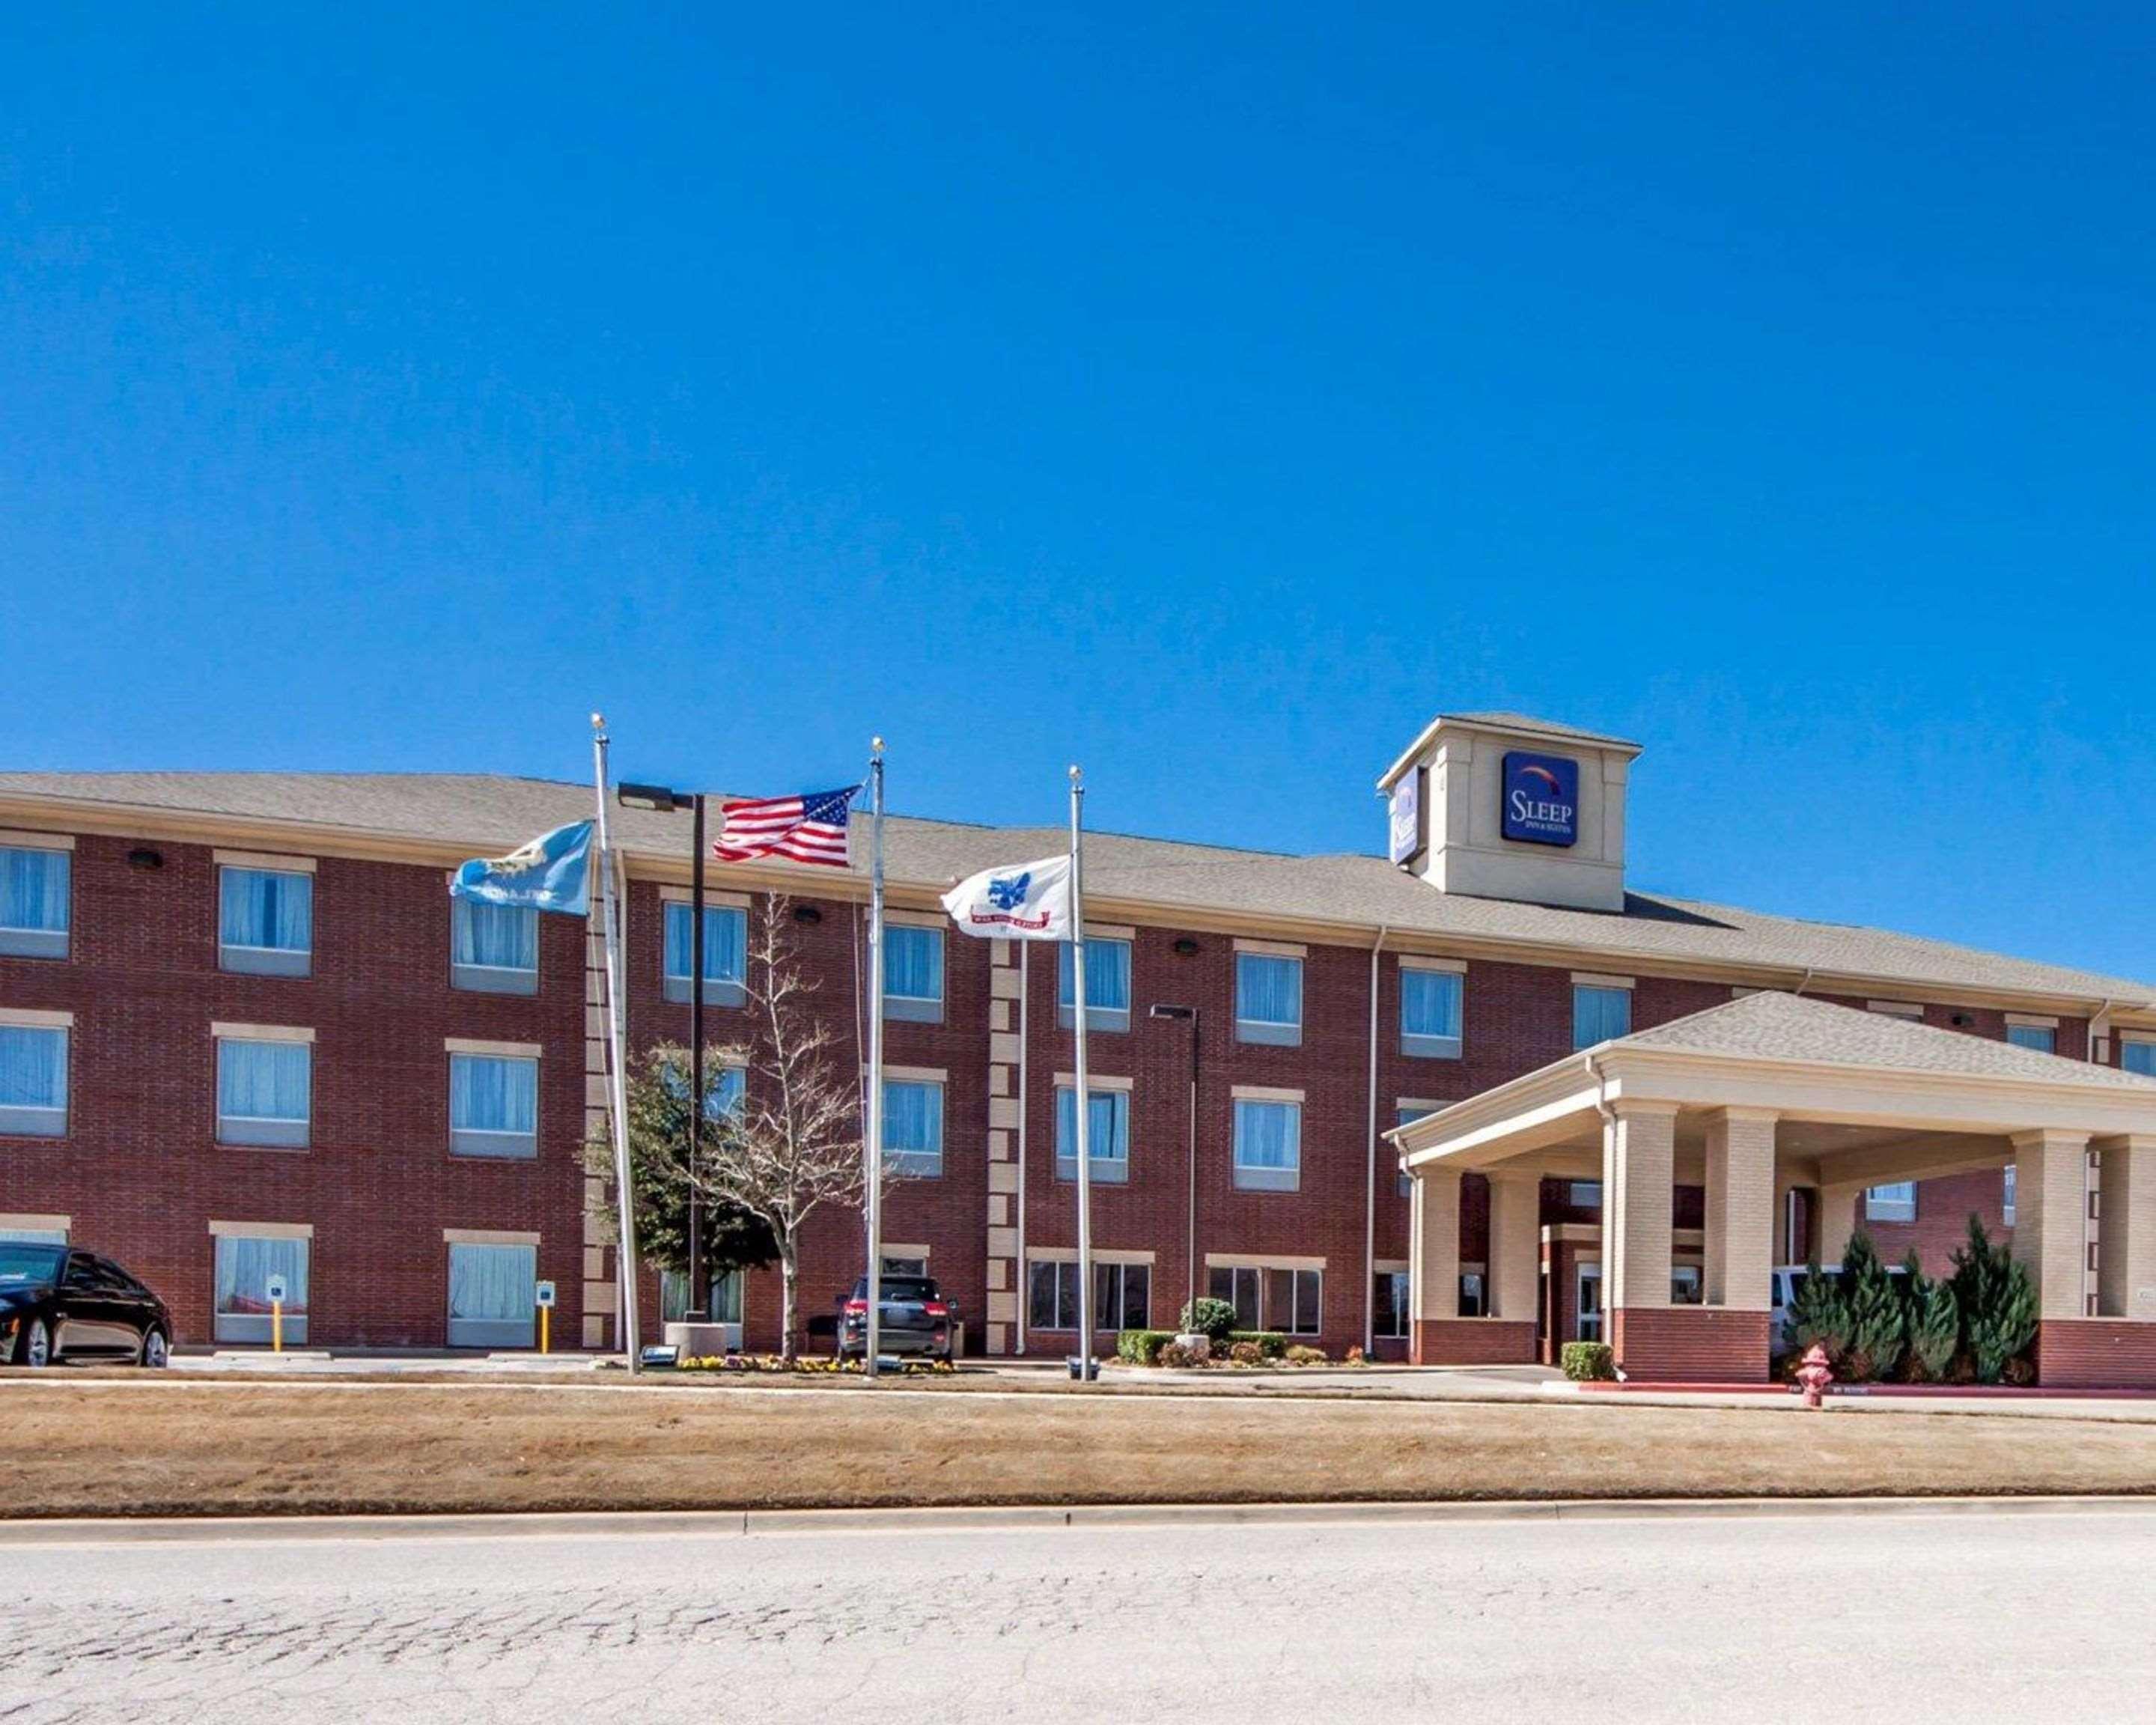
1588,1323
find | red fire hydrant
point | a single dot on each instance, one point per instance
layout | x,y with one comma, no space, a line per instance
1815,1374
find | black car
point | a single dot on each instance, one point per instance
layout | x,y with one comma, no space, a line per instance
911,1317
59,1302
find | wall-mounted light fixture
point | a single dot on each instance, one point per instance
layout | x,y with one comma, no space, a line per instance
1186,945
143,857
806,913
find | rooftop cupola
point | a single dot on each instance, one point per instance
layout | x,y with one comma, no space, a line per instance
1500,805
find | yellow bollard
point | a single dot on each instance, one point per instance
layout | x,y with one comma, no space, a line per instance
276,1327
545,1327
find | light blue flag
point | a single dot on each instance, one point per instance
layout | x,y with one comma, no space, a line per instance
552,872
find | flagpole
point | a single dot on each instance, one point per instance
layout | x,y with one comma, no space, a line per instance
871,1328
618,1085
1084,1110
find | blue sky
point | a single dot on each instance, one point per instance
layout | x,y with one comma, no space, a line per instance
1208,399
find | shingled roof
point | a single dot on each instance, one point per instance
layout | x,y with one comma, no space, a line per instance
487,814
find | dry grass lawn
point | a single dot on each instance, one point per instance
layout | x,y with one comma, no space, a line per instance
237,1449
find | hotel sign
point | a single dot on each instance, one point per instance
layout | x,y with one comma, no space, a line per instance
1405,809
1542,798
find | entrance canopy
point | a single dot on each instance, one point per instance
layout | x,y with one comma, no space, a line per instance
1773,1091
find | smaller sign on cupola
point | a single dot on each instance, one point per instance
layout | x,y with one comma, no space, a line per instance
1501,805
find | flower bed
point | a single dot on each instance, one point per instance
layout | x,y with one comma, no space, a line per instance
808,1365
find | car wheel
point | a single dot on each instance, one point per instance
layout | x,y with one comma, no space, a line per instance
36,1347
156,1352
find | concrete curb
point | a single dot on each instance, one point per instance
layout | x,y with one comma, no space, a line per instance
992,1518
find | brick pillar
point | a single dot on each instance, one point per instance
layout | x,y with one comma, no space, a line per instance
1639,1173
1515,1247
1436,1281
2126,1228
2117,1348
1740,1208
2051,1223
1006,1182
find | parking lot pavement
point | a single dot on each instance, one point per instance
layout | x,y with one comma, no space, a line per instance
1971,1616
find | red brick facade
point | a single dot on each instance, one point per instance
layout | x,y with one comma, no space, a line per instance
1694,1344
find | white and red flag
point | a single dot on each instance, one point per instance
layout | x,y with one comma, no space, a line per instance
807,829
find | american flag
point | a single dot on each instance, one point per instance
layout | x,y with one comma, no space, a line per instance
809,828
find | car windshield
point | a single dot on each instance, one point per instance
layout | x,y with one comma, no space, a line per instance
899,1287
25,1261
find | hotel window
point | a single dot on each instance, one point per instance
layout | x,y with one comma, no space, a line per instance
2138,1057
1121,1296
1269,1298
492,1294
2042,1038
34,1080
1897,1203
2006,1194
33,902
913,1128
1431,1012
494,949
1268,998
1107,1134
245,1263
263,1092
1599,1015
1268,1144
726,953
1389,1297
494,1105
1470,1294
1403,1112
913,973
1107,984
725,1297
266,921
904,1265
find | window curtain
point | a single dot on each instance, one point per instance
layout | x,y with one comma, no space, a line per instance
913,1118
33,1068
244,1265
1268,1134
494,937
263,909
913,964
1108,976
1430,1003
1268,990
1107,1125
725,941
2138,1057
1598,1014
488,1093
492,1284
2040,1038
33,891
723,1090
263,1080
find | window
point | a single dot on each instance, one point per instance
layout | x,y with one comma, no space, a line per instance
1107,1134
492,1294
1897,1203
265,921
726,953
1403,1112
1269,1298
1683,1284
1121,1296
723,1088
494,949
34,1080
725,1306
913,973
263,1092
33,902
1268,998
2042,1038
904,1265
913,1128
1107,984
1268,1145
2006,1194
494,1105
2138,1057
1389,1301
1430,1012
1600,1014
245,1263
1584,1194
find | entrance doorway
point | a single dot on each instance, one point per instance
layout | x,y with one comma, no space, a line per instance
1587,1320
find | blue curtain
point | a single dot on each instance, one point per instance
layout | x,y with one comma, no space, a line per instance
1268,1134
1268,990
492,1284
913,962
1430,1003
913,1118
244,1265
33,891
725,942
494,937
493,1093
1598,1014
1107,1125
32,1067
263,1080
2138,1057
263,909
1108,976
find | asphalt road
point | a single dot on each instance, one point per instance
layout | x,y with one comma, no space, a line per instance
1960,1617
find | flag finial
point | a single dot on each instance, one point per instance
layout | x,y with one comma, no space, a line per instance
876,745
598,721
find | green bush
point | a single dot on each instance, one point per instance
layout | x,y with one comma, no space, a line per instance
1932,1321
1271,1344
1588,1362
1214,1319
1819,1314
1997,1303
1878,1325
1143,1346
1301,1355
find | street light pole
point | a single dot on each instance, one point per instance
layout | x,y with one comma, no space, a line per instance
700,1298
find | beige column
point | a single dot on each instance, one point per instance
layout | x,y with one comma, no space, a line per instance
2125,1227
1741,1219
1837,1221
1435,1268
2050,1217
1515,1246
1639,1156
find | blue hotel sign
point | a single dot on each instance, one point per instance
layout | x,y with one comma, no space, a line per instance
1542,798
